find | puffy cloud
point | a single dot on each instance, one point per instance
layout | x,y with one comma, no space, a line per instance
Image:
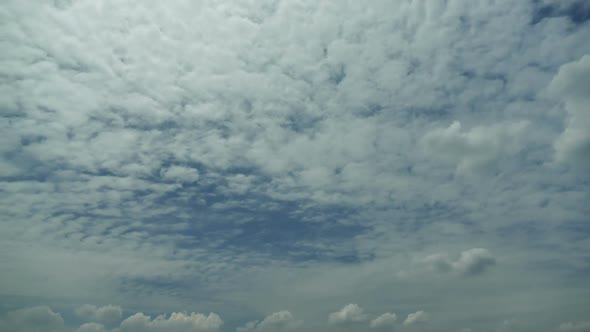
416,317
572,85
275,321
385,320
106,314
36,319
180,174
575,327
176,322
474,261
91,327
478,148
350,313
470,262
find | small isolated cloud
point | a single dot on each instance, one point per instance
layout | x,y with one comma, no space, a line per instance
91,327
351,313
177,322
385,320
180,174
572,85
417,317
106,314
575,327
470,262
476,149
36,319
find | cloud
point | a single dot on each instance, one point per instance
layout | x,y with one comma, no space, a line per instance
106,314
575,327
36,319
470,262
385,320
180,174
282,320
177,322
478,148
204,154
416,318
474,261
572,85
91,327
350,313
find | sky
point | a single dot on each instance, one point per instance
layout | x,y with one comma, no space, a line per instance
294,165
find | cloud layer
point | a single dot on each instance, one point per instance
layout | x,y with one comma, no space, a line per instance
241,157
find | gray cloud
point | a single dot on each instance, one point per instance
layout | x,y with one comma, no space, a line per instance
281,320
106,314
416,318
178,155
575,327
34,319
571,84
470,262
181,322
350,313
385,320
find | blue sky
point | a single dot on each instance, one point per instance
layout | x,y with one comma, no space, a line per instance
252,166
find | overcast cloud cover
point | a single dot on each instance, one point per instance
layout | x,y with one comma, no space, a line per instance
295,165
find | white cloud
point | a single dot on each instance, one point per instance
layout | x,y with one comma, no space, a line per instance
176,322
106,314
470,262
575,327
385,320
91,327
572,85
180,174
281,320
304,114
350,313
478,148
474,261
416,317
36,319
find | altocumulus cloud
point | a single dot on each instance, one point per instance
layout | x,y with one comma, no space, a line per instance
239,157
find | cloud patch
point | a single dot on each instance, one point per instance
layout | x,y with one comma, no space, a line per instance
470,262
575,327
416,318
350,313
177,321
385,320
476,149
572,86
105,314
35,319
281,320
